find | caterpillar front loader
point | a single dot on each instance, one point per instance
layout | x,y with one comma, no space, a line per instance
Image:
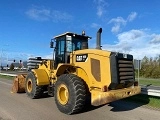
77,73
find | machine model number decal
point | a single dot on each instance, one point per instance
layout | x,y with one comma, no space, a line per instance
81,58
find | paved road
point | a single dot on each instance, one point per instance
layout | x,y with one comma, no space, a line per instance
20,107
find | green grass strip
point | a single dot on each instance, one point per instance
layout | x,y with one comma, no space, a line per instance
142,99
7,77
150,81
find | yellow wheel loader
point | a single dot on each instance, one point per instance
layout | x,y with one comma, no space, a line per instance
77,73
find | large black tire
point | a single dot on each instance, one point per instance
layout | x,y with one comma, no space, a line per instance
70,93
32,89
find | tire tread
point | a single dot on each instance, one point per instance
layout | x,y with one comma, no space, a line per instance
78,93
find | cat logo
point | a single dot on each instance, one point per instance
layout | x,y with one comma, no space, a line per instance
81,58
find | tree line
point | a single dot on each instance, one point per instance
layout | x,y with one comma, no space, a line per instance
150,67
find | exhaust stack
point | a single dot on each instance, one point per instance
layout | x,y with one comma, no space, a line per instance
98,41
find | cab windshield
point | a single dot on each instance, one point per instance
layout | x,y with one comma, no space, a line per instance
74,44
66,45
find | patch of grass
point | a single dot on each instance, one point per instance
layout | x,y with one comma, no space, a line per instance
7,77
149,81
142,99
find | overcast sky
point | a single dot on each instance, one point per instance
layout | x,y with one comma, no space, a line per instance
129,26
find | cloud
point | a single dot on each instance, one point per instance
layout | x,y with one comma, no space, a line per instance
39,14
137,43
132,16
115,28
119,22
155,39
95,25
101,7
43,14
131,35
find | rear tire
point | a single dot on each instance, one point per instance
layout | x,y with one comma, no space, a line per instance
70,93
31,87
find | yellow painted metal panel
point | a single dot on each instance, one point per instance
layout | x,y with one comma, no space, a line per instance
99,98
104,69
82,74
42,76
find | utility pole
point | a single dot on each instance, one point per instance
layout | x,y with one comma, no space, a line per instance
1,60
1,56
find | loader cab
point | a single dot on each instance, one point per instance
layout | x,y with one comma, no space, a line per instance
65,44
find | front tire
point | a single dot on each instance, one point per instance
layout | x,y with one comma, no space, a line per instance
70,93
31,87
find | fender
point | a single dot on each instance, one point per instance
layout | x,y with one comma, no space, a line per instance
75,70
83,74
42,76
63,67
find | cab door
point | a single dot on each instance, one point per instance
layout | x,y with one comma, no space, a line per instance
60,52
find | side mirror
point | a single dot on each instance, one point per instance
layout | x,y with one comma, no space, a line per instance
52,44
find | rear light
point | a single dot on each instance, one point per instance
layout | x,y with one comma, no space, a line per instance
104,89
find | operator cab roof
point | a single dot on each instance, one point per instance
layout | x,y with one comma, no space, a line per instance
72,34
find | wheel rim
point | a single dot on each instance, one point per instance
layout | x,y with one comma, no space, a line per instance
63,94
29,85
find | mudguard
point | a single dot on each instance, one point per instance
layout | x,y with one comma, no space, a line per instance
42,76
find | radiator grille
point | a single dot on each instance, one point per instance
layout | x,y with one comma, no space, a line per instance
122,71
125,70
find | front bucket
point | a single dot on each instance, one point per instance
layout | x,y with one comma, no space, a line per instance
19,84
